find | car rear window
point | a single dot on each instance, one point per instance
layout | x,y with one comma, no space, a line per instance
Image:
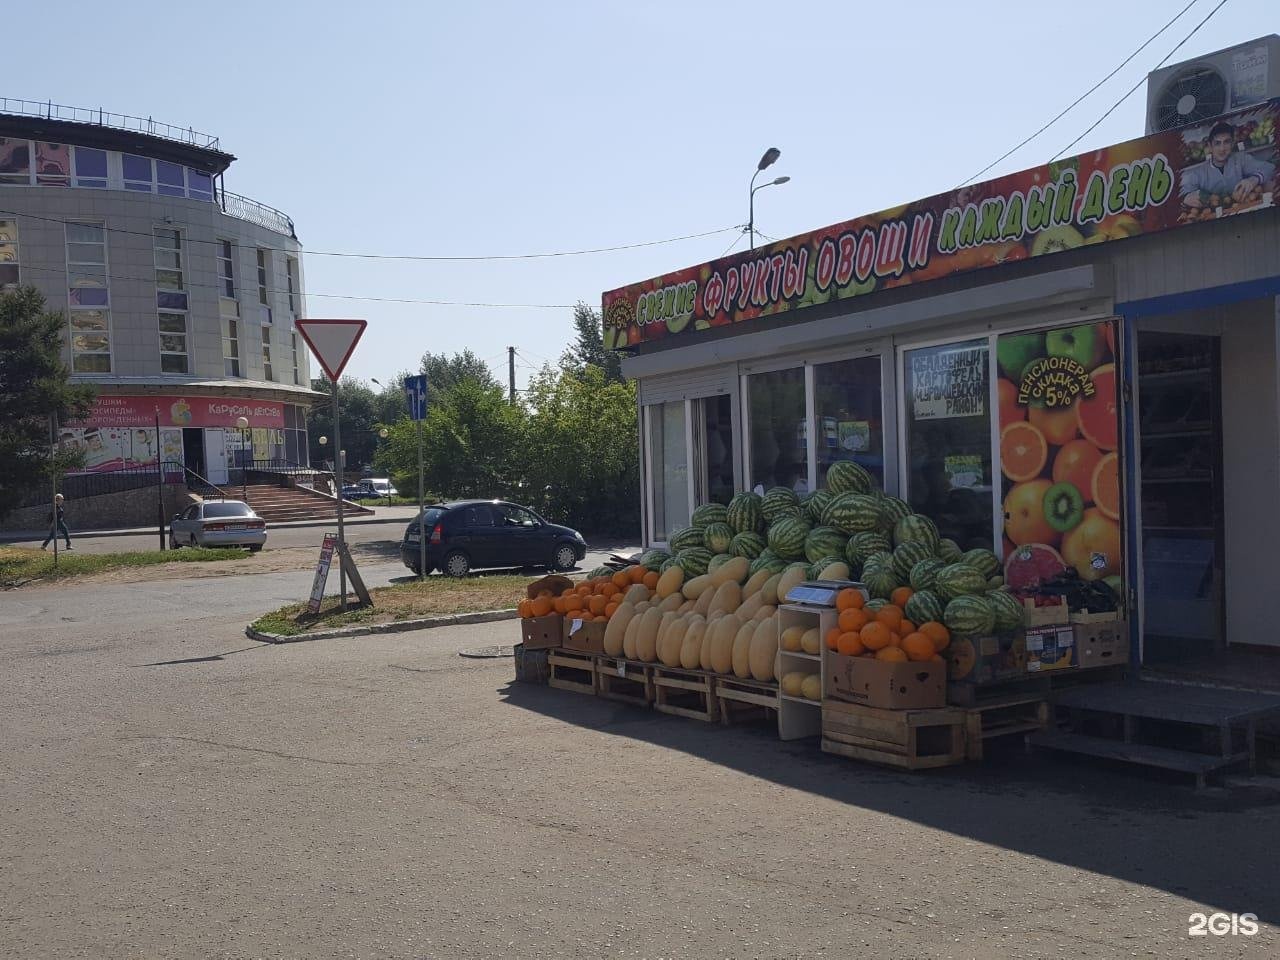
227,510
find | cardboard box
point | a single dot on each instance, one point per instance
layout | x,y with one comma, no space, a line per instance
555,583
542,633
584,637
1050,615
1102,644
978,660
890,686
1082,617
1051,648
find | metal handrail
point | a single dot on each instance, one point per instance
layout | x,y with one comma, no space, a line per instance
243,208
48,110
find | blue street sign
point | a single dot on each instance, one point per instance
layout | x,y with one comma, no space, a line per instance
415,392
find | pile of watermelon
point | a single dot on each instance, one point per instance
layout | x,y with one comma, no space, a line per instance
851,530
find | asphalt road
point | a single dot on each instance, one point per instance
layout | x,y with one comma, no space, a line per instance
172,789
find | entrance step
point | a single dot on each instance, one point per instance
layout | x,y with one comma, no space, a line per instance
284,504
1183,761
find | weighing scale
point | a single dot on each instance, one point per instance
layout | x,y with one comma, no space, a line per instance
819,593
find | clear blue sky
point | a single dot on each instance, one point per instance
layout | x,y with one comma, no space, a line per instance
516,127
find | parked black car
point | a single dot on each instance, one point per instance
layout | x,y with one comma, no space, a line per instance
468,534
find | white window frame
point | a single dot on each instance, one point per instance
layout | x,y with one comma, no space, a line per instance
292,278
60,180
189,188
31,164
185,353
268,366
104,309
125,181
90,183
229,313
297,370
14,240
262,261
652,486
226,267
181,271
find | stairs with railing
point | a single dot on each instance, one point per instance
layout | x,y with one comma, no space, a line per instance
277,504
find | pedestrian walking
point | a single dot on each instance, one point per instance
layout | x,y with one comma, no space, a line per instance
57,523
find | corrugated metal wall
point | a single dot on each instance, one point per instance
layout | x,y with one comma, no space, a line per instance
703,382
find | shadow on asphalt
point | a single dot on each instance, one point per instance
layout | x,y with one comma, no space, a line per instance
1068,810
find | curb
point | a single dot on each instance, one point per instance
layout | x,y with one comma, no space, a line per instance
400,626
20,536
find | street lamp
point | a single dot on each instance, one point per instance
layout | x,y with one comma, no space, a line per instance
767,160
243,424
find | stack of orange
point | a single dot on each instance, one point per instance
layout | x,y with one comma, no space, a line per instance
589,600
885,634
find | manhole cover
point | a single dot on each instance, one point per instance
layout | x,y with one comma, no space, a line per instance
488,653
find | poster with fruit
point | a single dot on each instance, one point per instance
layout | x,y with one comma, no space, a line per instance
1060,461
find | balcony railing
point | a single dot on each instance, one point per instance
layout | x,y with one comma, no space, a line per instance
242,208
49,110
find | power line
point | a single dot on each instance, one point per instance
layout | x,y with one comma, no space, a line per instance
736,241
406,256
1146,43
1166,59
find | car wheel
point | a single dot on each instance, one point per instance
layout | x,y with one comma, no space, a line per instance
456,564
255,547
566,557
173,540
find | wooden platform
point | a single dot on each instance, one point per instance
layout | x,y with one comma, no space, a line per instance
572,671
627,681
685,693
908,739
979,694
1186,713
1002,717
740,700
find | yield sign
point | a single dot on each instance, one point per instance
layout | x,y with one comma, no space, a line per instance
332,341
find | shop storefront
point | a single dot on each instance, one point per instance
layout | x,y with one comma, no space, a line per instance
1073,366
199,433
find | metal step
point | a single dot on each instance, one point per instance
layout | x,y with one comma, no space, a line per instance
1183,761
1169,701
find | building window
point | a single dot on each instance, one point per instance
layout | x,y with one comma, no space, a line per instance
53,164
670,468
230,310
171,301
173,342
15,161
170,179
8,254
267,372
779,452
88,297
137,173
846,407
297,370
91,168
264,284
226,269
199,185
291,272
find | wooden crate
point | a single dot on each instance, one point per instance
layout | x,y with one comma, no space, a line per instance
742,700
1010,715
980,694
627,681
572,671
685,693
909,739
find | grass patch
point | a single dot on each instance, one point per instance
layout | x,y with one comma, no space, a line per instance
437,596
26,563
387,501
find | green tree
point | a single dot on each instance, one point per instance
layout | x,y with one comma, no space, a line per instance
361,411
445,372
588,346
33,385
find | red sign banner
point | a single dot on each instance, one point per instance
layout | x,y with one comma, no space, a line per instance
110,410
1167,180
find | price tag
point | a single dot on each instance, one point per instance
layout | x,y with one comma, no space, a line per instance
622,669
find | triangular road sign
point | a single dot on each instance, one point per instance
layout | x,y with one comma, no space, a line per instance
332,341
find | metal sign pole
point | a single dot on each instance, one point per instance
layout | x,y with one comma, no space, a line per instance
337,470
53,480
422,511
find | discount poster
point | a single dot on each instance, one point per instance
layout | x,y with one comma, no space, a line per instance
1059,456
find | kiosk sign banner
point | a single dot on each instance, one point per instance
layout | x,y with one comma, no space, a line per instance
1161,182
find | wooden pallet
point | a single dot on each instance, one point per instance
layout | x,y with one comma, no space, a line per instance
980,694
627,681
685,693
742,700
572,671
1002,717
908,739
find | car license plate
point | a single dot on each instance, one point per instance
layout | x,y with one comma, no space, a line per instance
237,526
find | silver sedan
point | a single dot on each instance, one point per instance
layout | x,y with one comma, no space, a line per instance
218,523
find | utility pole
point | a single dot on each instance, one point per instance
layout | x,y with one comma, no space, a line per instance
511,375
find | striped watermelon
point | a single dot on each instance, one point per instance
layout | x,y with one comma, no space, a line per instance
768,560
864,544
880,581
924,606
959,579
668,563
816,569
1007,610
599,572
982,560
845,476
708,514
824,542
745,513
969,617
694,560
683,539
814,503
786,537
852,512
875,605
893,509
916,528
654,559
717,537
878,561
718,561
748,544
949,550
779,502
907,554
924,575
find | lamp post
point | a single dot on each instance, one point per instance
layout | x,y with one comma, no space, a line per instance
243,424
766,161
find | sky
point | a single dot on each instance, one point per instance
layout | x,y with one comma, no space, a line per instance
508,128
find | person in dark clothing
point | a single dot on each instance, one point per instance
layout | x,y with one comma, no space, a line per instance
58,524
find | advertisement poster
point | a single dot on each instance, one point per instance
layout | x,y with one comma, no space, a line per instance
118,448
949,383
1160,182
1059,459
855,436
119,411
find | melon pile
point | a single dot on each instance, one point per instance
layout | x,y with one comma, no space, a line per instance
850,530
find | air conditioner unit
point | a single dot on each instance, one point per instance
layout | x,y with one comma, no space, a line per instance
1214,84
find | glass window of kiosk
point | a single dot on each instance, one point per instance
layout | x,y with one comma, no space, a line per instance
847,421
669,461
947,417
776,422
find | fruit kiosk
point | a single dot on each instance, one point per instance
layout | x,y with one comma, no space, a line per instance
1039,412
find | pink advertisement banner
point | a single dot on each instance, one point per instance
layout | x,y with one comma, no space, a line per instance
179,411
